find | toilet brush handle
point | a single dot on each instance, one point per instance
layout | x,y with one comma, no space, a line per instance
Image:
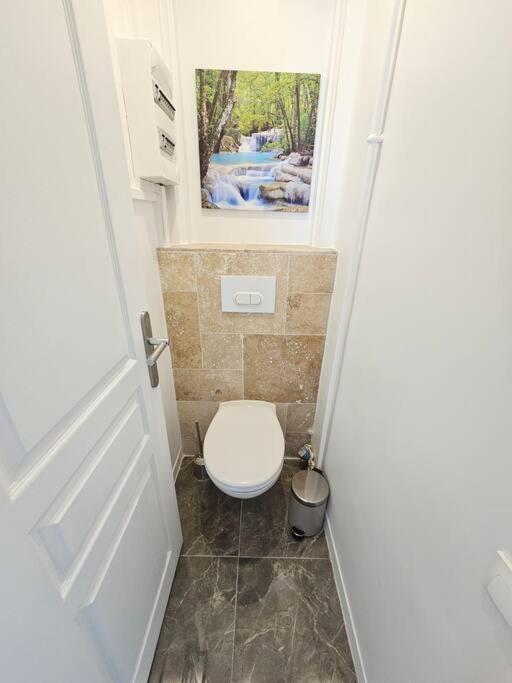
199,440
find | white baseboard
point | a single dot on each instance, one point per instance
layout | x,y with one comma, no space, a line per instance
177,465
345,605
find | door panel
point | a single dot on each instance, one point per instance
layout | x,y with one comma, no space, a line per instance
55,459
132,576
64,268
87,504
78,506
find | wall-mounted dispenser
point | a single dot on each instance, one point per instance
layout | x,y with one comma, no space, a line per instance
150,111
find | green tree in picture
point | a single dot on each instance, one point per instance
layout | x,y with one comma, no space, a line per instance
216,99
269,113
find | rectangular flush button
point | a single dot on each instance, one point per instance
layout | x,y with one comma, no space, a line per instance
248,294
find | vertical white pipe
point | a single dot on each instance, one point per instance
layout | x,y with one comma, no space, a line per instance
164,213
375,140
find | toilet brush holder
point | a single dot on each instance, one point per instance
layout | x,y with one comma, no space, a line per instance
199,466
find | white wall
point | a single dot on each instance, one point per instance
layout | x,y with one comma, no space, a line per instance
419,454
290,35
364,46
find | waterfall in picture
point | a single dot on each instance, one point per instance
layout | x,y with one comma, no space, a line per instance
256,180
256,134
245,144
239,186
254,142
226,192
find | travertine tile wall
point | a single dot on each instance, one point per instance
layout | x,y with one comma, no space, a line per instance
226,356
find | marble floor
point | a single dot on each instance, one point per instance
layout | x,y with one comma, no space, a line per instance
248,602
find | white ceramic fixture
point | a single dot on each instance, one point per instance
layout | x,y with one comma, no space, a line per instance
244,448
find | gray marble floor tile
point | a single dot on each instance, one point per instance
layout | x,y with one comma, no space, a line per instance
210,520
265,531
289,626
196,640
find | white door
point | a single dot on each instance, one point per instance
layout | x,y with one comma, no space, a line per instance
89,526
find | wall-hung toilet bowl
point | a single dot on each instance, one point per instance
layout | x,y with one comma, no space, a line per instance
244,448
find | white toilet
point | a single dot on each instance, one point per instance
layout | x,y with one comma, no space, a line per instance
244,448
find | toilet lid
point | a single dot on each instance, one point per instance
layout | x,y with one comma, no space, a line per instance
244,445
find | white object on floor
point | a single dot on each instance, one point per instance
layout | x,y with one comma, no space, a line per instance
248,294
500,585
244,448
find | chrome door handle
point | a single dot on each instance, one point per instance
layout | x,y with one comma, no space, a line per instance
154,347
161,344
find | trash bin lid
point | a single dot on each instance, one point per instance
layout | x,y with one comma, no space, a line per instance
310,488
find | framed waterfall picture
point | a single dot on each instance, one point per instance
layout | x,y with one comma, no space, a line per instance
256,138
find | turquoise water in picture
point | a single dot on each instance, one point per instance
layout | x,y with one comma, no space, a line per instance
235,158
237,180
240,189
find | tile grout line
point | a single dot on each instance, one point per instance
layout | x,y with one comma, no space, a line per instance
273,334
303,250
287,294
254,334
236,588
200,329
242,336
285,428
259,557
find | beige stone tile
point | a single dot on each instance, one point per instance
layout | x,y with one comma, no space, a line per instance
222,351
307,313
189,412
210,267
282,369
282,411
312,272
177,271
208,385
183,327
300,417
293,441
244,246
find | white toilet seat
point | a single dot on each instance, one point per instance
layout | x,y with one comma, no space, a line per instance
244,448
